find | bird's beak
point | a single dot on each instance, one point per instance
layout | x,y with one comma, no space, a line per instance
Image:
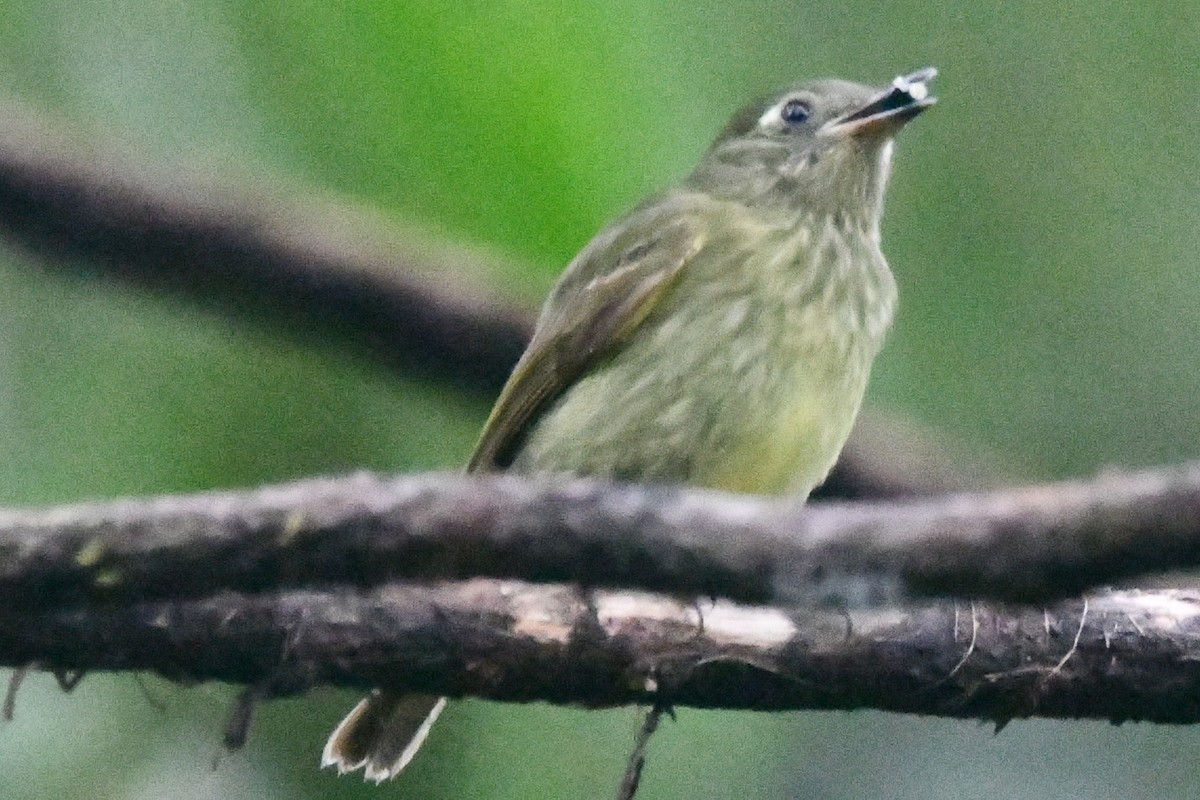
888,111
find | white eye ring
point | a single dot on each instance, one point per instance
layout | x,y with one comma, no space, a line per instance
792,111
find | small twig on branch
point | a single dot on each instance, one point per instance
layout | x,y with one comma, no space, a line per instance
10,695
1026,545
1136,656
637,758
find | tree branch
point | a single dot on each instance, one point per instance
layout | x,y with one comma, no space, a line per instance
1116,656
307,266
1025,545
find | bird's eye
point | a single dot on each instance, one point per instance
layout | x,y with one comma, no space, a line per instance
795,111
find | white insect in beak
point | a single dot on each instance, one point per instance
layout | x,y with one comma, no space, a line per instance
914,85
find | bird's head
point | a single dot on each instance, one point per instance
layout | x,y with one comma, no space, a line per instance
823,147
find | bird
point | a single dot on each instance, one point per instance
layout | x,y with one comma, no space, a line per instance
720,334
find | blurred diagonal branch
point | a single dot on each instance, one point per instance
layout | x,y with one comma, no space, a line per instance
331,271
1116,656
310,267
1028,545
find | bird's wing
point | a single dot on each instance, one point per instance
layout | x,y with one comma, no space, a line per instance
605,293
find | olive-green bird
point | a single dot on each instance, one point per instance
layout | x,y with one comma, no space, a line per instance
720,334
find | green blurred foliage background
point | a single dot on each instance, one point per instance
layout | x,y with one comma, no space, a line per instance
1043,225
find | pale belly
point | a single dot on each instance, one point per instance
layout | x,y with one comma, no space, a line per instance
789,453
766,418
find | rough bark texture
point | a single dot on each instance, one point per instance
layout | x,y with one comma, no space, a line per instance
1027,545
1117,656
